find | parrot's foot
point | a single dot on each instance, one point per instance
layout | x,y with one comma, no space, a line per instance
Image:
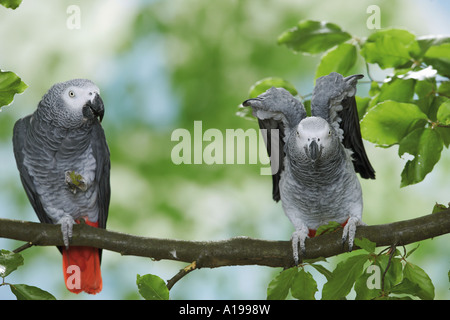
298,237
349,231
75,181
66,223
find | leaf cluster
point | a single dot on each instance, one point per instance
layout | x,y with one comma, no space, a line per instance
9,262
10,85
386,276
409,108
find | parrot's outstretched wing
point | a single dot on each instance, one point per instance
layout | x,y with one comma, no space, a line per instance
334,100
278,113
19,138
277,159
101,154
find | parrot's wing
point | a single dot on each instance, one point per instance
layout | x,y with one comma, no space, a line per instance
278,113
19,137
277,159
102,173
334,100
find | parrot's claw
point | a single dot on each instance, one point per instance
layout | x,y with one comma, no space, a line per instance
349,231
298,237
66,223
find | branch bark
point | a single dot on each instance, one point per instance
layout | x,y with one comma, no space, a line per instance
234,251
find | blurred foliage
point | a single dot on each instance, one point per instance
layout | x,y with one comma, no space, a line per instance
10,85
162,65
12,4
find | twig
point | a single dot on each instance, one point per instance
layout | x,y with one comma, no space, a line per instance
23,247
391,254
183,272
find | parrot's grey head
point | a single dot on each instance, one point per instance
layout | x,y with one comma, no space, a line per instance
73,102
316,138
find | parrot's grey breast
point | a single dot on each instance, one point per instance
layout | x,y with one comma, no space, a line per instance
49,153
323,191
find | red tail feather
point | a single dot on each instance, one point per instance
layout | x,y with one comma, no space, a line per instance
81,268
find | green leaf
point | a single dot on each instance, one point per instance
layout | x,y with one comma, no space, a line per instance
25,292
397,89
416,275
406,287
425,144
364,286
389,122
410,252
304,286
445,135
75,178
327,273
426,42
374,89
394,272
443,113
10,84
263,85
366,244
434,107
390,48
425,90
439,58
278,288
343,277
328,228
369,284
362,104
313,36
11,4
444,89
339,59
439,207
9,261
152,287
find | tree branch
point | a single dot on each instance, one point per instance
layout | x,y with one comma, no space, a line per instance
234,251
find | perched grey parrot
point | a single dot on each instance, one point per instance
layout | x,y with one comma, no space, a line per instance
64,164
317,156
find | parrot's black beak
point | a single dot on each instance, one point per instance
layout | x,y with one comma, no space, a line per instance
254,102
96,107
314,152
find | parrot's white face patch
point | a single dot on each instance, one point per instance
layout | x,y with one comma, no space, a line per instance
77,97
314,129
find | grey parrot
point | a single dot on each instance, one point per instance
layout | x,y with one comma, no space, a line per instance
317,157
64,165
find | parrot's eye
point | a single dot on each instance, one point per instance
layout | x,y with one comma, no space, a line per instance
71,94
329,133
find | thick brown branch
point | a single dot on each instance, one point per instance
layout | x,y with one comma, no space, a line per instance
235,251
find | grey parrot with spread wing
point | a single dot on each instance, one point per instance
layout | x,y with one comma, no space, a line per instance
317,157
64,164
